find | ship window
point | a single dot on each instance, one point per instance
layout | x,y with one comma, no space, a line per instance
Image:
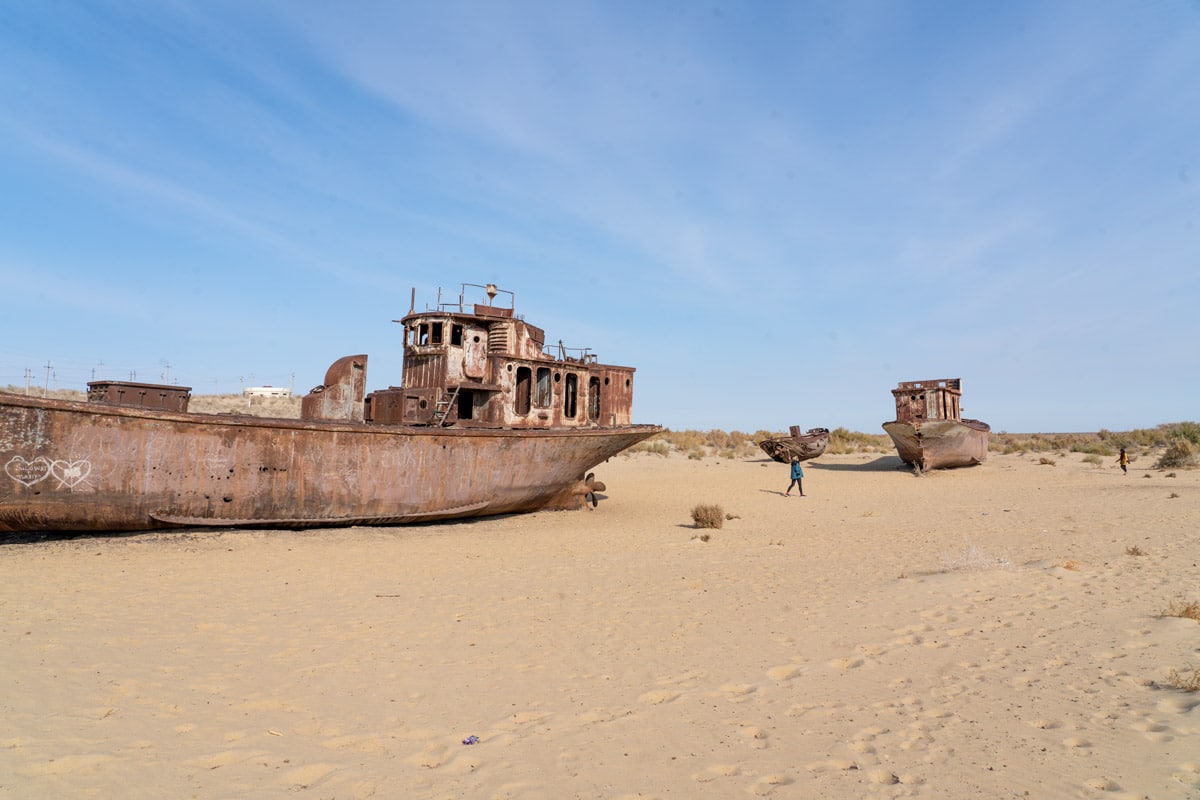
423,335
544,390
594,398
436,333
570,395
456,332
524,379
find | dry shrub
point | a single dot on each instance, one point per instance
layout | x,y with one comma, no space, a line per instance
1187,683
658,448
1047,461
1185,609
1172,495
1092,458
1069,563
708,516
1134,551
1179,454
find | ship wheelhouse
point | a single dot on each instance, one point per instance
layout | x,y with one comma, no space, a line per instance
482,365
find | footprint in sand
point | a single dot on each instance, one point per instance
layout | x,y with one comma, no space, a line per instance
595,715
65,765
224,759
852,662
714,771
907,640
884,777
831,765
784,672
756,735
361,744
864,741
1077,745
1188,774
767,783
658,697
1102,785
1179,705
431,757
308,776
738,692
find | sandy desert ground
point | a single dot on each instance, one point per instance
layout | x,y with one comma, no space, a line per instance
988,632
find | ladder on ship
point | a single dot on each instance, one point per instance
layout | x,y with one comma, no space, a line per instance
442,408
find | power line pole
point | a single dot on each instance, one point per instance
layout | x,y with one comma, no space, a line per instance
46,390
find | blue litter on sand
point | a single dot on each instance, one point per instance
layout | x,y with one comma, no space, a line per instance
471,740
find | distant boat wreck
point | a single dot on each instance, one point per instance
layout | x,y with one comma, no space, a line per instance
489,420
929,431
800,445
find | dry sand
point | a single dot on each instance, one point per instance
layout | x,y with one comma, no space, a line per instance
979,632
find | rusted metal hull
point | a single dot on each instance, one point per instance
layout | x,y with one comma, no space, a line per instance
76,466
940,443
801,445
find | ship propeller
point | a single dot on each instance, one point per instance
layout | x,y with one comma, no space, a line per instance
593,486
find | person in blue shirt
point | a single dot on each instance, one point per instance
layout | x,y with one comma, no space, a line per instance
797,475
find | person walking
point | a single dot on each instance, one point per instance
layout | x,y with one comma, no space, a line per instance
1123,460
797,478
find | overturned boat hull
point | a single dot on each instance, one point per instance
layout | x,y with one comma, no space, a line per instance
799,445
80,466
940,443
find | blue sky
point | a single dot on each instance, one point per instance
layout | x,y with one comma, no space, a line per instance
775,211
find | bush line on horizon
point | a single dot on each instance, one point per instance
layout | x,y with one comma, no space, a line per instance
1180,441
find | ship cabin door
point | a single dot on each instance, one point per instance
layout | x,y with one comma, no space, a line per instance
593,398
475,353
466,404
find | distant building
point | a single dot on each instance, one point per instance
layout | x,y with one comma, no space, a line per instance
266,391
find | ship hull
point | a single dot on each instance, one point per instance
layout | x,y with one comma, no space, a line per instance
77,466
801,446
940,443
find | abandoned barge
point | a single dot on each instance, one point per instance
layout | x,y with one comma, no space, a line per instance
929,431
796,444
487,420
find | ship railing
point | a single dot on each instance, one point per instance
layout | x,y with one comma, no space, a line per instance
581,355
460,304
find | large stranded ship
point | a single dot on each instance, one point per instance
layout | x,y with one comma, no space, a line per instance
487,420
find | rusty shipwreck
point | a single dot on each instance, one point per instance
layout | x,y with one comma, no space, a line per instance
929,431
801,445
487,420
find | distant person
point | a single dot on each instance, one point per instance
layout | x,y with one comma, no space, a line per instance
1123,460
797,476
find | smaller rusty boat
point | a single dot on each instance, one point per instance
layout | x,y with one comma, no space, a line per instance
799,445
929,431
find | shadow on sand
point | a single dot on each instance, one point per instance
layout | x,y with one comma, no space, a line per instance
882,464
